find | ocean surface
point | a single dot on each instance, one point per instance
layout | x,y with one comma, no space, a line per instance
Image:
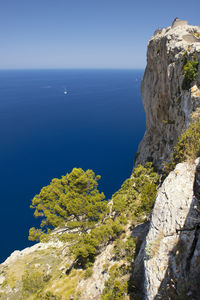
45,133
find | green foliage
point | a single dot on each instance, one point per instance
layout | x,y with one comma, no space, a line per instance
188,145
87,246
72,201
158,49
124,198
147,197
145,184
47,296
138,192
105,267
125,249
33,282
5,283
75,203
190,72
36,234
116,287
51,296
88,273
197,34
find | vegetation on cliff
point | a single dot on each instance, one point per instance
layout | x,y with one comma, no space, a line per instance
137,194
72,201
187,147
87,222
190,70
74,211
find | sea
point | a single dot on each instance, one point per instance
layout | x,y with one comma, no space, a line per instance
54,120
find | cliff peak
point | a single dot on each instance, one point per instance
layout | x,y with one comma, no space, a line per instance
168,96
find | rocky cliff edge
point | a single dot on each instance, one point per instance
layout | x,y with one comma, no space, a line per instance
168,105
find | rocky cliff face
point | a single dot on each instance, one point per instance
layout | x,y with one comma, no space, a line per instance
172,253
168,261
169,108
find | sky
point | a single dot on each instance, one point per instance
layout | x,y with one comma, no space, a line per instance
49,34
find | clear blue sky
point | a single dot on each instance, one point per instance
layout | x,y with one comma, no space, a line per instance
84,33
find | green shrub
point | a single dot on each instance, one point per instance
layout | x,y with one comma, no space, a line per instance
88,273
125,197
190,72
105,267
88,245
145,184
147,197
188,145
137,193
33,282
136,196
116,287
197,34
50,296
125,249
47,296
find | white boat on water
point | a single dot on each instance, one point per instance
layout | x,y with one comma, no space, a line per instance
65,92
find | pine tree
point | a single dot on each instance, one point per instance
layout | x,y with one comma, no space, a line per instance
72,201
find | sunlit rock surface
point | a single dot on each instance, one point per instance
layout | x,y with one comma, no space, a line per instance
169,109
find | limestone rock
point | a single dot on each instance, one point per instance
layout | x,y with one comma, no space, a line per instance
190,38
92,288
168,107
172,248
37,247
2,278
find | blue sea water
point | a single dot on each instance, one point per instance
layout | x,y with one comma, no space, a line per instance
45,133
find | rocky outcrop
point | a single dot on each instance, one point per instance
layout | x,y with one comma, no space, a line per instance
168,107
170,255
51,261
172,247
17,254
92,287
41,260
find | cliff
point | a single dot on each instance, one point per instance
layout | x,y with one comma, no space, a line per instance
148,250
172,252
169,107
168,261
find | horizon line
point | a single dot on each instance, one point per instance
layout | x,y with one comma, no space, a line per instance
46,69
